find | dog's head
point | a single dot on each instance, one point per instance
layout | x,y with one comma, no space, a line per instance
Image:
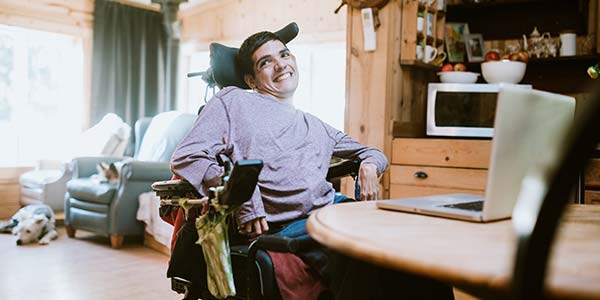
31,229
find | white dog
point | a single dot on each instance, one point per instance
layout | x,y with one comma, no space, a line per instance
32,223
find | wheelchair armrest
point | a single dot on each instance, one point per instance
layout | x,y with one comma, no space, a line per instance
277,243
343,168
172,189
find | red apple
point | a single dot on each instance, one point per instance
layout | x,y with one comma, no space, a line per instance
447,68
460,67
492,55
523,56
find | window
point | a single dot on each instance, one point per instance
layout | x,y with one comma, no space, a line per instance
41,95
196,88
321,90
322,87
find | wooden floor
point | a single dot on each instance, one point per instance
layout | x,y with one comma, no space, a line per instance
82,268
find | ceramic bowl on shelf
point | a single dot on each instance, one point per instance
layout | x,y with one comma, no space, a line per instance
503,71
458,77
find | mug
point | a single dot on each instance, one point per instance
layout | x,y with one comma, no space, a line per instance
439,59
420,22
430,54
568,40
419,52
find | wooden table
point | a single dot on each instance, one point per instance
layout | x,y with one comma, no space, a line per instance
467,255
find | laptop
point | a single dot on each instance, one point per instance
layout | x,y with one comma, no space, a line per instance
529,128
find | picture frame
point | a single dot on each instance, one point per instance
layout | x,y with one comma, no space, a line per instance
454,38
475,47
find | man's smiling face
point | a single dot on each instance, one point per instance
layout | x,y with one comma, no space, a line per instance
275,70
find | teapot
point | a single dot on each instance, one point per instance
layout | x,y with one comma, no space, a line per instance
539,45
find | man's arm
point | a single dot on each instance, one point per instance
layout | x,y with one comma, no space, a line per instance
373,162
194,159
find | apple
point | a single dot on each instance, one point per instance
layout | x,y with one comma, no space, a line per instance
505,57
447,68
523,56
514,57
460,67
492,55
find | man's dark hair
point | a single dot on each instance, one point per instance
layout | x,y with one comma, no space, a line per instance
244,56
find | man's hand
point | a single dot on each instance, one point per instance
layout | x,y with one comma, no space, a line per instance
254,228
368,182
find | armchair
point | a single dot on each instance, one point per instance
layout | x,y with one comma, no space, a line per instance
48,182
110,208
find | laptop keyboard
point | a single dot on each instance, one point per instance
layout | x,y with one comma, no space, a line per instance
475,206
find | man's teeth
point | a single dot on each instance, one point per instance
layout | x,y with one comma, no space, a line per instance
282,77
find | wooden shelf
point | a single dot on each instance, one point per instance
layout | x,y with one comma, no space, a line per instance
419,64
411,37
549,74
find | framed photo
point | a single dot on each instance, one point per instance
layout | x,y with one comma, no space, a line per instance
454,38
475,47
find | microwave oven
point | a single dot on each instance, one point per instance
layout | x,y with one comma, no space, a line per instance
462,110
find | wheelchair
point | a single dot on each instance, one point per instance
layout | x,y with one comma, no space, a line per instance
253,273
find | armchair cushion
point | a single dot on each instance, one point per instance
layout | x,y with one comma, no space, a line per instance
39,178
165,131
46,186
91,190
109,137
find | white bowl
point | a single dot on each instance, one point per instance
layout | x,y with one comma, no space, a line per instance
458,77
503,71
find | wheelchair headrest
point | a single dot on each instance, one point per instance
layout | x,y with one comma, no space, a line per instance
223,69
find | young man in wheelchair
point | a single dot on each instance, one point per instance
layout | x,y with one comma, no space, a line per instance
296,148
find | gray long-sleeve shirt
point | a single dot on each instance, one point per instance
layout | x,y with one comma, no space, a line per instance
296,148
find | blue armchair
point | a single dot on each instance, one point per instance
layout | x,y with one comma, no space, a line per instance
110,208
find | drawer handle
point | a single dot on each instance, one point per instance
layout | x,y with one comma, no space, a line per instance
421,175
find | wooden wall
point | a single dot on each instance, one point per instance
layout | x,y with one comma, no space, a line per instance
230,21
72,17
374,82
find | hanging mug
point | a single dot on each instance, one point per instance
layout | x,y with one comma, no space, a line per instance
419,52
430,54
439,59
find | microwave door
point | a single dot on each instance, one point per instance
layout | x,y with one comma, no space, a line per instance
461,113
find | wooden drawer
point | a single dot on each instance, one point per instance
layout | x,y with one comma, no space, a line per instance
442,152
592,197
457,178
404,191
592,173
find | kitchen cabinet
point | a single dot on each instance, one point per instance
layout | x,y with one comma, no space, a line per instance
386,99
423,167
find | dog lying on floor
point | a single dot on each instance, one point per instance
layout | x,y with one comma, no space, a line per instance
32,223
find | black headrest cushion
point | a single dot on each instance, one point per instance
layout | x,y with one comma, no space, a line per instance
222,59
